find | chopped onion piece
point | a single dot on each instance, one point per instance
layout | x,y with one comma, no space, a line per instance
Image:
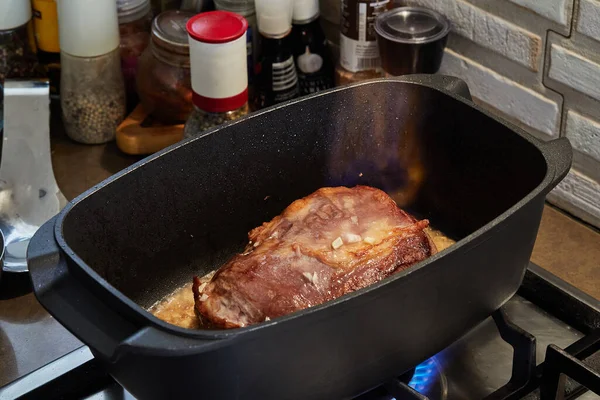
354,219
337,243
204,297
312,278
256,244
267,319
352,238
369,240
201,287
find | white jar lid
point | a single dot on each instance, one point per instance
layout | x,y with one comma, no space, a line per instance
88,28
274,17
218,60
305,10
14,13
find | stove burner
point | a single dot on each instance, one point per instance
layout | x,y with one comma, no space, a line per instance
429,380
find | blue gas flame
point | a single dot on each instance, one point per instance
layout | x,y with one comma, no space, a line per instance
424,377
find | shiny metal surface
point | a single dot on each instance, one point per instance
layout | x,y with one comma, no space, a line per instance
29,195
1,252
480,362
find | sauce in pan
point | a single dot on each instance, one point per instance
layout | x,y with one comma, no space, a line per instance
177,308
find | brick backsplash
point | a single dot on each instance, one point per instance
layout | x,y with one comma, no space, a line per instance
535,63
512,99
553,10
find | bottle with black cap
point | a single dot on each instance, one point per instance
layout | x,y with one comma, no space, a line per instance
314,63
276,78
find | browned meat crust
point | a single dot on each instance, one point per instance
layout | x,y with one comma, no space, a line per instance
322,246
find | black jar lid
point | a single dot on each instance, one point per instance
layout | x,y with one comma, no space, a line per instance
413,25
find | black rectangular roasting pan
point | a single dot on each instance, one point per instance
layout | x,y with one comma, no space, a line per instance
127,242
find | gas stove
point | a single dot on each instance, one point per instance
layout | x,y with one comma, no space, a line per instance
544,343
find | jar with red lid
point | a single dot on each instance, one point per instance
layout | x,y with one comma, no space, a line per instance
218,58
163,78
135,21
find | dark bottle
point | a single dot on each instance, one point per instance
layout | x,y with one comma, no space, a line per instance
276,78
314,61
45,25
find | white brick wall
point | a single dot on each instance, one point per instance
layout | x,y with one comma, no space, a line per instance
490,31
579,194
588,20
584,134
555,10
497,34
575,71
527,106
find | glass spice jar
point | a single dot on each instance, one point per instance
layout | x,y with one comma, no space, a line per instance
163,79
17,45
246,9
201,120
92,97
135,21
218,55
159,6
92,89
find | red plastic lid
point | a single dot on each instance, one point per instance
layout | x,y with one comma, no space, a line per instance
220,105
217,26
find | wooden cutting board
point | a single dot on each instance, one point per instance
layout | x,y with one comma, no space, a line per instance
138,134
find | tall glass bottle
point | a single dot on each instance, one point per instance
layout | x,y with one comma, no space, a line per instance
45,24
276,78
313,56
359,54
218,69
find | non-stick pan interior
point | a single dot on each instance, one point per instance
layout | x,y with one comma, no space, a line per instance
187,211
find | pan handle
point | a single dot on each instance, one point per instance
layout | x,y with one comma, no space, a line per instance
559,156
445,83
108,333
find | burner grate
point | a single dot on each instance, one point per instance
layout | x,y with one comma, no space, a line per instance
579,362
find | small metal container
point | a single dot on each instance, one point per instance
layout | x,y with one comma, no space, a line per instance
411,40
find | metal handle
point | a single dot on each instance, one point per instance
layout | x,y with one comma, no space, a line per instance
29,195
446,83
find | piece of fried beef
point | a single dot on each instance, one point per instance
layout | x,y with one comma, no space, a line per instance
322,246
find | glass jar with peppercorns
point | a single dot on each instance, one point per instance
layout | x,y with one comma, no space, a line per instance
91,85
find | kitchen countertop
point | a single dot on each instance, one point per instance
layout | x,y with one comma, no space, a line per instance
30,337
